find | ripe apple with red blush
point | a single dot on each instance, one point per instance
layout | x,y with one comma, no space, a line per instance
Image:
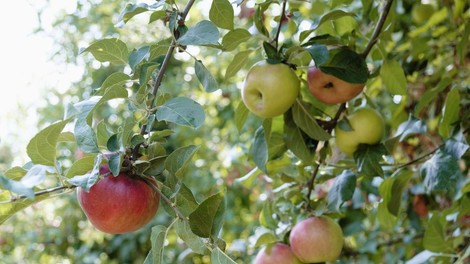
330,89
119,204
316,239
276,253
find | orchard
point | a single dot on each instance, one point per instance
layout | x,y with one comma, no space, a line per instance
216,131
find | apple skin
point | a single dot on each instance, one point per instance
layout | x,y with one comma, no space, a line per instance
277,253
120,204
368,128
316,239
330,89
270,90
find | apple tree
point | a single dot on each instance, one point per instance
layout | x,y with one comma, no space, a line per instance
357,116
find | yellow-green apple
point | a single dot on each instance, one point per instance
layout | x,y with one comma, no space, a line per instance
316,239
119,204
366,126
330,89
276,253
270,90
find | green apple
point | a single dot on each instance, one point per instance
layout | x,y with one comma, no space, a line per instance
330,89
367,127
270,90
276,253
316,239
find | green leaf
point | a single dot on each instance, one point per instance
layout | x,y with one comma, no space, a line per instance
9,209
15,173
114,143
332,15
178,161
342,190
41,148
386,219
259,19
219,257
112,92
234,37
319,53
115,163
16,186
85,135
87,180
456,146
181,111
239,60
203,33
450,113
412,126
266,216
157,238
272,53
368,157
132,10
393,77
207,219
138,56
241,114
346,65
205,77
295,141
66,137
185,200
117,79
195,243
441,173
221,13
259,150
435,235
392,189
81,166
431,95
109,50
303,118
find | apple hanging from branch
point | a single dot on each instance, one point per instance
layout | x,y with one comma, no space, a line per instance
270,90
330,89
316,239
276,253
119,204
364,126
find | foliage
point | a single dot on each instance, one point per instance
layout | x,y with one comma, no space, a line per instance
163,93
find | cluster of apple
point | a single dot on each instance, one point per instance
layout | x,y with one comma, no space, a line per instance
270,90
315,239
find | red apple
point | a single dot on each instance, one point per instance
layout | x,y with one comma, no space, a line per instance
120,204
276,253
330,89
316,239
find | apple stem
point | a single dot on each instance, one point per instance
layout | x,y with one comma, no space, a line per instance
378,28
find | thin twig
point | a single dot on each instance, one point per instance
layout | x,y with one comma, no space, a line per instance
161,72
419,158
378,28
152,184
39,193
281,20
